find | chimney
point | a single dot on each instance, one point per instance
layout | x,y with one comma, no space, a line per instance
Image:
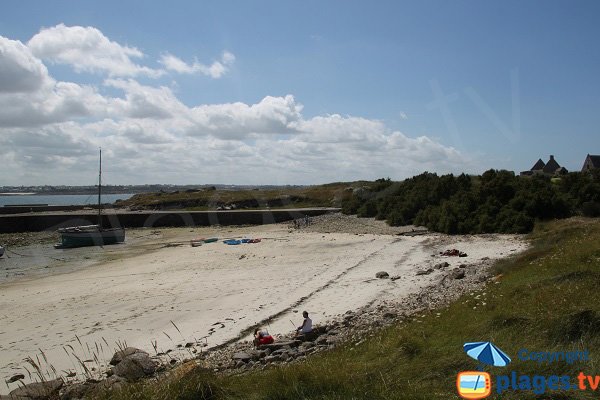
551,157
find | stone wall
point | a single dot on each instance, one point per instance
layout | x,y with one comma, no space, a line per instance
53,221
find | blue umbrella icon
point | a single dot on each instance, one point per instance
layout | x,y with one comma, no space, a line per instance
487,353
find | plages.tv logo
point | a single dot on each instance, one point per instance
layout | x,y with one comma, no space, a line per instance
478,384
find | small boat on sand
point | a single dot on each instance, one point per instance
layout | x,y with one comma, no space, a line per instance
1,251
91,235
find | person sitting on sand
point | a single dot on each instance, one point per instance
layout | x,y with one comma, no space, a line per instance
261,336
306,326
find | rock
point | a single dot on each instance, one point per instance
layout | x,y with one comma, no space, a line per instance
77,391
38,391
189,344
395,277
279,345
458,273
242,356
135,367
112,383
441,265
390,315
308,337
121,354
425,271
263,354
239,364
15,378
270,359
462,266
307,345
382,275
320,329
321,340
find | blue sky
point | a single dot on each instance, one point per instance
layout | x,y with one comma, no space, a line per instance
304,92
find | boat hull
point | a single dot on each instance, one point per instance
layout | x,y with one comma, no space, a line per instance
98,237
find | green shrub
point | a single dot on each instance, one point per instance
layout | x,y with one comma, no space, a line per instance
496,201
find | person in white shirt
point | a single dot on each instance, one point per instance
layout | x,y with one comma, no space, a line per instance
306,326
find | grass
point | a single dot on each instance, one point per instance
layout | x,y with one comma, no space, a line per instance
329,195
546,299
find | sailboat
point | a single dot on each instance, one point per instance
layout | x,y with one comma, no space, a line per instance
91,235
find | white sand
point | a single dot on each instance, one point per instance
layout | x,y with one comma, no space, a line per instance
212,292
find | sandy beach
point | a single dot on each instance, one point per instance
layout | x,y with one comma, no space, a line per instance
156,292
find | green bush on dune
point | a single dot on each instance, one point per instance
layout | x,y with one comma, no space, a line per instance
497,201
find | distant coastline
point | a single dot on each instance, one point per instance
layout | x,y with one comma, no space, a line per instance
17,194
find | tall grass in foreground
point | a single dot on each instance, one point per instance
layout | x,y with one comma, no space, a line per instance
547,299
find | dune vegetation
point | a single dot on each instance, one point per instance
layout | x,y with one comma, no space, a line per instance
496,201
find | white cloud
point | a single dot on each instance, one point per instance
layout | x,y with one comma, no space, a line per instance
87,49
272,115
146,101
50,130
20,71
215,70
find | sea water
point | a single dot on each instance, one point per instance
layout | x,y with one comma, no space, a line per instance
61,200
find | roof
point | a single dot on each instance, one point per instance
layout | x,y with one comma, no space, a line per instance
539,165
551,166
595,160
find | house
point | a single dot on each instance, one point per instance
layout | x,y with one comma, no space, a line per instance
591,162
550,168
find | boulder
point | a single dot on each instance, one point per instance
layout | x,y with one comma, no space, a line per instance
270,359
135,366
321,340
458,273
279,345
242,356
307,345
121,354
38,391
263,353
112,383
425,271
441,265
382,275
77,391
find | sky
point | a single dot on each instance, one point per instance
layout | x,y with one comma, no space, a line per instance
282,92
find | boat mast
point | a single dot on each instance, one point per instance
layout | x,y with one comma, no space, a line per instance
100,192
